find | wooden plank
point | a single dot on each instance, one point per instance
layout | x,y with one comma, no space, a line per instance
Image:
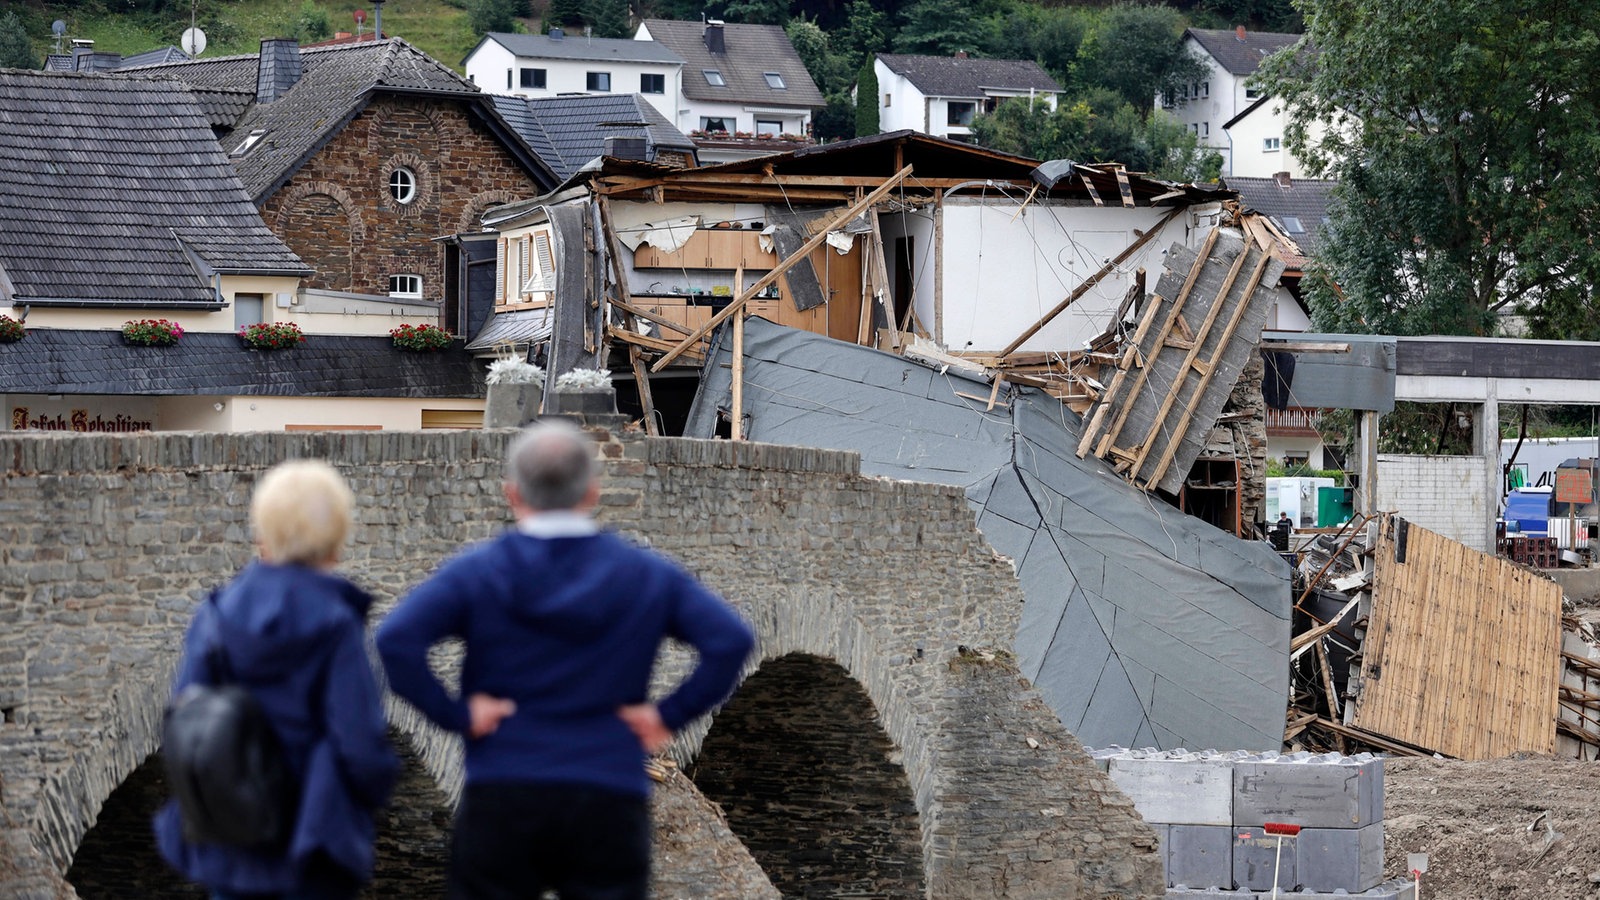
649,316
646,400
737,402
1189,358
1218,351
773,274
1088,284
1126,402
1461,651
1124,187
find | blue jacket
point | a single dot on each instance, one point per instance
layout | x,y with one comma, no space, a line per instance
568,627
294,637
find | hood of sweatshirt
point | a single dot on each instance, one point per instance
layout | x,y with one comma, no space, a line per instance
272,619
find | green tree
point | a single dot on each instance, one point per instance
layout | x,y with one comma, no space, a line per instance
864,33
1468,160
610,18
754,12
312,23
867,101
494,15
16,51
1049,35
1137,51
942,27
570,15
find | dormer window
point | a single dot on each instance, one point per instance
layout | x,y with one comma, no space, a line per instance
775,81
249,143
714,78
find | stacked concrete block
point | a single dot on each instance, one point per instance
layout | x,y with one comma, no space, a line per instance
1336,800
1210,810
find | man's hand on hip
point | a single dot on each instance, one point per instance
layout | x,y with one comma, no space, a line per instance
645,721
486,713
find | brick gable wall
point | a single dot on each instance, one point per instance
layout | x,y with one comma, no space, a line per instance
337,212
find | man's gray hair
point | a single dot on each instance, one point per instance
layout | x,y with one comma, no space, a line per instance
552,465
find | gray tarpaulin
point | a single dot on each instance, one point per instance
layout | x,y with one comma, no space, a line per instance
1142,626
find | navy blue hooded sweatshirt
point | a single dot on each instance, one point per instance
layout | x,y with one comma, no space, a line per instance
568,628
295,637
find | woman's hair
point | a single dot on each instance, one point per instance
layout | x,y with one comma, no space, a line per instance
301,513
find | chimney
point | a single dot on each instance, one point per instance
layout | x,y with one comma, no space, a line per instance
961,54
713,36
1283,180
556,34
278,70
1238,32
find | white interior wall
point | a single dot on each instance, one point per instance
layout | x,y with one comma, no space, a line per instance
1007,265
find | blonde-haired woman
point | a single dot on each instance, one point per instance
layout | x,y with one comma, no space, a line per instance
293,633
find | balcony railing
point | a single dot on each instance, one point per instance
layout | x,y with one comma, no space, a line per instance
1293,421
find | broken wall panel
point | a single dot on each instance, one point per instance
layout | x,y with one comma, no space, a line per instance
1462,649
1142,626
1174,377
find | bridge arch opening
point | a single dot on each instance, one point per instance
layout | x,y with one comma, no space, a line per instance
812,785
117,858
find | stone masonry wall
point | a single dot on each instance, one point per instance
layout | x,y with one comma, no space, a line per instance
338,214
107,541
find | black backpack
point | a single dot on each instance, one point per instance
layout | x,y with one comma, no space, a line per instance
225,764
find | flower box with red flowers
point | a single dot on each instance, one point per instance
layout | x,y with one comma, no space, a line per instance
271,335
421,338
151,332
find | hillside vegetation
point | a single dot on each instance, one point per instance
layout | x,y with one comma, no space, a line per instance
440,28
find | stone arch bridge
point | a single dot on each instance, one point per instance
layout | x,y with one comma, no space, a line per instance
882,744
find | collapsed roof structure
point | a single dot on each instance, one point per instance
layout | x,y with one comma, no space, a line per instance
1142,626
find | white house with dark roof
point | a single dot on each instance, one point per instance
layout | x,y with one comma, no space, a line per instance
940,95
737,80
559,64
1221,101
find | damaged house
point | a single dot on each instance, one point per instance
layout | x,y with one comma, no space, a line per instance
931,305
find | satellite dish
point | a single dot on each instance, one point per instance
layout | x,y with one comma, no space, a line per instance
361,16
58,27
193,41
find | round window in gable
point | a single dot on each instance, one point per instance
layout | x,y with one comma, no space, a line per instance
403,185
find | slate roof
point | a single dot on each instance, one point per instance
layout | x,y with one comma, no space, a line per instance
1298,209
114,191
1240,57
568,132
335,85
523,326
152,57
71,361
577,47
948,76
752,51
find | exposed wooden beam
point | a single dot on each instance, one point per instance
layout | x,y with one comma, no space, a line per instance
773,274
650,316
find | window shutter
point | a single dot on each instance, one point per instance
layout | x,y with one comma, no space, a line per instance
526,271
541,268
500,271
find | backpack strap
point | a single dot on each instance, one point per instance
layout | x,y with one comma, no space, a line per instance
216,656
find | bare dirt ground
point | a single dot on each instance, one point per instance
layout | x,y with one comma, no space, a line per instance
1512,828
